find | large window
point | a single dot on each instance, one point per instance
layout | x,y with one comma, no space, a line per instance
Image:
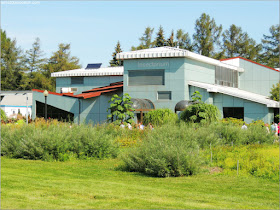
226,77
234,112
164,95
77,80
146,77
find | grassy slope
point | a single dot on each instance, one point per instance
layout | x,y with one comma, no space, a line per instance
96,184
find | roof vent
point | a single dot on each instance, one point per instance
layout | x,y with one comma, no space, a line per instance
93,65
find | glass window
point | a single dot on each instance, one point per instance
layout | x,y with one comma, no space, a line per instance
164,95
146,77
226,77
77,80
234,112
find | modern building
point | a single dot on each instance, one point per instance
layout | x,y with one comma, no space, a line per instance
16,102
160,78
81,95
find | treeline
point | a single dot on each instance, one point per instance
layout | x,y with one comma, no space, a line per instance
210,40
26,70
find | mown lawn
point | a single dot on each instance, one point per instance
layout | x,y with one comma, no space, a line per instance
96,184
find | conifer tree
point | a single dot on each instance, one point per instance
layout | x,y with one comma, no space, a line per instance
146,40
61,60
114,61
206,35
12,64
160,40
34,58
238,43
183,40
170,41
270,56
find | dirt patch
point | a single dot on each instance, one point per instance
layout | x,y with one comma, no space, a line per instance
214,170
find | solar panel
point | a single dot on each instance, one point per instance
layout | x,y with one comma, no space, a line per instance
93,65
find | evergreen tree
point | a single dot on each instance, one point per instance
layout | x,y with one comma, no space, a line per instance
183,40
116,62
206,35
160,40
238,43
270,43
12,64
34,57
146,40
61,60
170,41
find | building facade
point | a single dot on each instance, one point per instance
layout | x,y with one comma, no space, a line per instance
239,87
163,77
16,102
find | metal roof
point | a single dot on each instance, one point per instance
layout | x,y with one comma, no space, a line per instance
17,99
113,87
235,92
106,71
170,52
235,61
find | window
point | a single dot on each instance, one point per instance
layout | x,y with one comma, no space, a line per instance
164,95
234,112
226,77
146,77
77,80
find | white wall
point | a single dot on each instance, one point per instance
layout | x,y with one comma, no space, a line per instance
13,111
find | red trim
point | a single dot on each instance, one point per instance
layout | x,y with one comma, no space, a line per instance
90,93
103,88
251,62
53,93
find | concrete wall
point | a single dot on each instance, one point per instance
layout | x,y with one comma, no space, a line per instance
93,110
256,78
174,80
89,82
178,71
199,72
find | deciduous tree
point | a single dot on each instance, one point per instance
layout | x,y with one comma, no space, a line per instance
120,109
275,92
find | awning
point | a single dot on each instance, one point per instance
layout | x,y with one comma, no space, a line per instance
235,92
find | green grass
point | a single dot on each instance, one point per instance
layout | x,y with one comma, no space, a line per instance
96,184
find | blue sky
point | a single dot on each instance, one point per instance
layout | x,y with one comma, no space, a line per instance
94,27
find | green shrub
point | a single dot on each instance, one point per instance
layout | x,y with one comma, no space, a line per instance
165,152
200,113
57,142
159,117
